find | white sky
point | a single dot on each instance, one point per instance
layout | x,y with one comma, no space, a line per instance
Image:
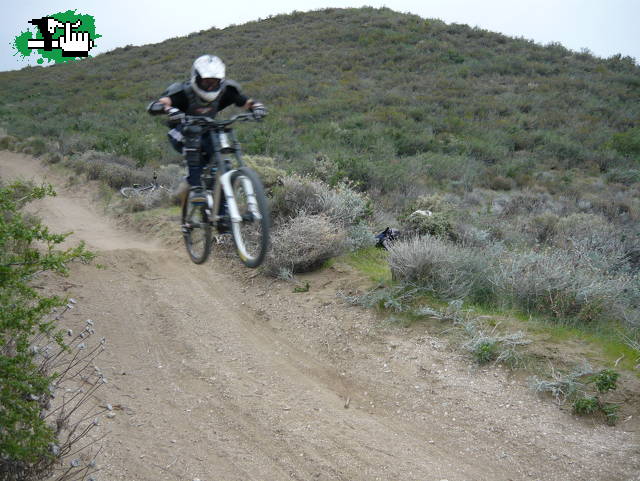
605,27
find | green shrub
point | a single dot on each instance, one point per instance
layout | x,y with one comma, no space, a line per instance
428,215
500,183
586,405
628,143
53,158
27,248
576,387
610,411
485,351
606,380
36,145
269,174
7,142
623,176
437,224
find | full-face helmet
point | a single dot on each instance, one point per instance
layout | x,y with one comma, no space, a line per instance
207,75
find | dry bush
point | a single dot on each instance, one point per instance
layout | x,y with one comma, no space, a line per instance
303,243
555,283
564,285
540,228
593,238
526,202
448,270
343,205
468,235
298,194
76,143
339,210
117,171
68,407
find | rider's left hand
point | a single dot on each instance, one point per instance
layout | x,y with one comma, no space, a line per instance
259,111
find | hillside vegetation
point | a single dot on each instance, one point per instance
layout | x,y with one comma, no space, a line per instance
526,156
363,93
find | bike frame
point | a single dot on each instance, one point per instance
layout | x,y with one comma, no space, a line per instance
224,141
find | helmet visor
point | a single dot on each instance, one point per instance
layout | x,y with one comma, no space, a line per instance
208,84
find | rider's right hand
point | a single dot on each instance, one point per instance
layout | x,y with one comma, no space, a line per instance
156,108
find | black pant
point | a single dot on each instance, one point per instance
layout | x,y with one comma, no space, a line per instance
177,139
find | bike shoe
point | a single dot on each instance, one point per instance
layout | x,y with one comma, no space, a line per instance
197,196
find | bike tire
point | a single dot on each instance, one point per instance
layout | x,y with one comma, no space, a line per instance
251,235
129,192
196,231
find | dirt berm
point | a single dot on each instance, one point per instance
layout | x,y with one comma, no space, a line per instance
221,374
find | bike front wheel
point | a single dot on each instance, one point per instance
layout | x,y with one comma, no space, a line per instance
251,234
196,230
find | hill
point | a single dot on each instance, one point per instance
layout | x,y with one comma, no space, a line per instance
390,100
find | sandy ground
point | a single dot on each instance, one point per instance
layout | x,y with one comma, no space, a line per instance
219,373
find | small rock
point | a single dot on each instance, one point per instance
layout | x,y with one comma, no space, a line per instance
111,415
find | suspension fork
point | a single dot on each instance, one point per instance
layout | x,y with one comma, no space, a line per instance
232,206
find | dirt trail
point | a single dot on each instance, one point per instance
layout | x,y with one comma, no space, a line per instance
220,374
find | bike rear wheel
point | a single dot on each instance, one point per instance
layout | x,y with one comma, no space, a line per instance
251,234
129,192
196,230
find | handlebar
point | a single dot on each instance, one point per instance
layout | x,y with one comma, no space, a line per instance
208,121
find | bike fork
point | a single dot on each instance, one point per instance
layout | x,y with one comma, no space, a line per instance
232,206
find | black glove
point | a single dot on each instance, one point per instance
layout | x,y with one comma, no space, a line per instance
155,108
258,110
175,115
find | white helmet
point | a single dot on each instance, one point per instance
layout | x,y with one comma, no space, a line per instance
207,74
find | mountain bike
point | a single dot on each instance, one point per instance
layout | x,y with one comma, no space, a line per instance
138,189
235,198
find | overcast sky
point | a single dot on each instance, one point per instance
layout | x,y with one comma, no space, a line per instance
605,27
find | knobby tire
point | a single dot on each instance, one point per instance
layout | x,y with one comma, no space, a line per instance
197,237
251,235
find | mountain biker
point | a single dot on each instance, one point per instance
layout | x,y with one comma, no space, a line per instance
207,92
